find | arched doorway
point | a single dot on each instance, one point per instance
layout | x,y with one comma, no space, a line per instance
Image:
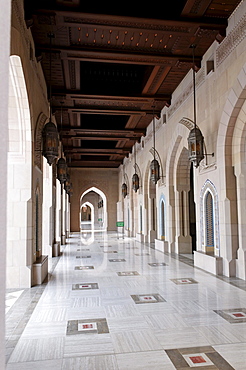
86,212
21,252
97,201
87,215
162,220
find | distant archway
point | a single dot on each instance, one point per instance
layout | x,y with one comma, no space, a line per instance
97,200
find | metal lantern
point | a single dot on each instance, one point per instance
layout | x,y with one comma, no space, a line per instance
124,190
154,171
67,184
50,142
135,182
61,170
195,145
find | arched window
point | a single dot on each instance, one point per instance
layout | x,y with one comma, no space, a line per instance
141,219
209,222
162,220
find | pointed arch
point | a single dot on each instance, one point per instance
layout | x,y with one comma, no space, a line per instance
209,220
162,218
20,251
103,196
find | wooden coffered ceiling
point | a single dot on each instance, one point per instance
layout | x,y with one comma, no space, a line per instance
113,66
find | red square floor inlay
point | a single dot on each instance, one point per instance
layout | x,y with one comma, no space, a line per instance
238,315
87,326
197,359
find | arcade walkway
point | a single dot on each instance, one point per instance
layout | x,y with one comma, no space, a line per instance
116,304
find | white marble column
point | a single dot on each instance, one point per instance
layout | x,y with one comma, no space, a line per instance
4,78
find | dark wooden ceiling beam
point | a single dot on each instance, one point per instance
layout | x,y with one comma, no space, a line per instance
95,164
77,95
77,18
95,53
103,110
104,132
101,138
92,151
101,154
195,8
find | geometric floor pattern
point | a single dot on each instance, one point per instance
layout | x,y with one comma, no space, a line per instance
89,326
234,315
142,310
183,281
198,358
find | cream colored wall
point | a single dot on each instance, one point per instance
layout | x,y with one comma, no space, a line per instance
220,97
105,180
21,251
4,72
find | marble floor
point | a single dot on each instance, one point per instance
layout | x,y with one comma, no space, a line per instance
118,304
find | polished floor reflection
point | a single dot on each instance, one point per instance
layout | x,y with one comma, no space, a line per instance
134,309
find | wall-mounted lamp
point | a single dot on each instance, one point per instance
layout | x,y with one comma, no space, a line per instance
50,133
196,144
154,165
124,190
135,177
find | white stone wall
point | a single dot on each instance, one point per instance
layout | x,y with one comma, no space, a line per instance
220,95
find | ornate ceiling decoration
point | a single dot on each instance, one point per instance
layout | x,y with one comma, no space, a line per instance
112,67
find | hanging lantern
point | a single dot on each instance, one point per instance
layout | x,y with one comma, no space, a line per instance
50,142
135,182
154,171
67,184
195,145
124,190
61,170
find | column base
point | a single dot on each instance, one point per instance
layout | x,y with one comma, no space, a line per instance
56,249
161,245
40,270
212,264
241,264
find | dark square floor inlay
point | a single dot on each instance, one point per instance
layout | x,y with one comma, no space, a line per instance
88,326
233,315
205,357
85,286
147,298
156,264
84,267
128,273
83,256
182,281
117,260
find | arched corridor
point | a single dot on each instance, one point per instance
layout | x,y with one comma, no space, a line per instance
123,177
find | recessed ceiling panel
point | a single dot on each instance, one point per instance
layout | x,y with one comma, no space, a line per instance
111,79
103,121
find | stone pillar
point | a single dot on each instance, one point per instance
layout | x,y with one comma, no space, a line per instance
183,243
241,204
4,78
